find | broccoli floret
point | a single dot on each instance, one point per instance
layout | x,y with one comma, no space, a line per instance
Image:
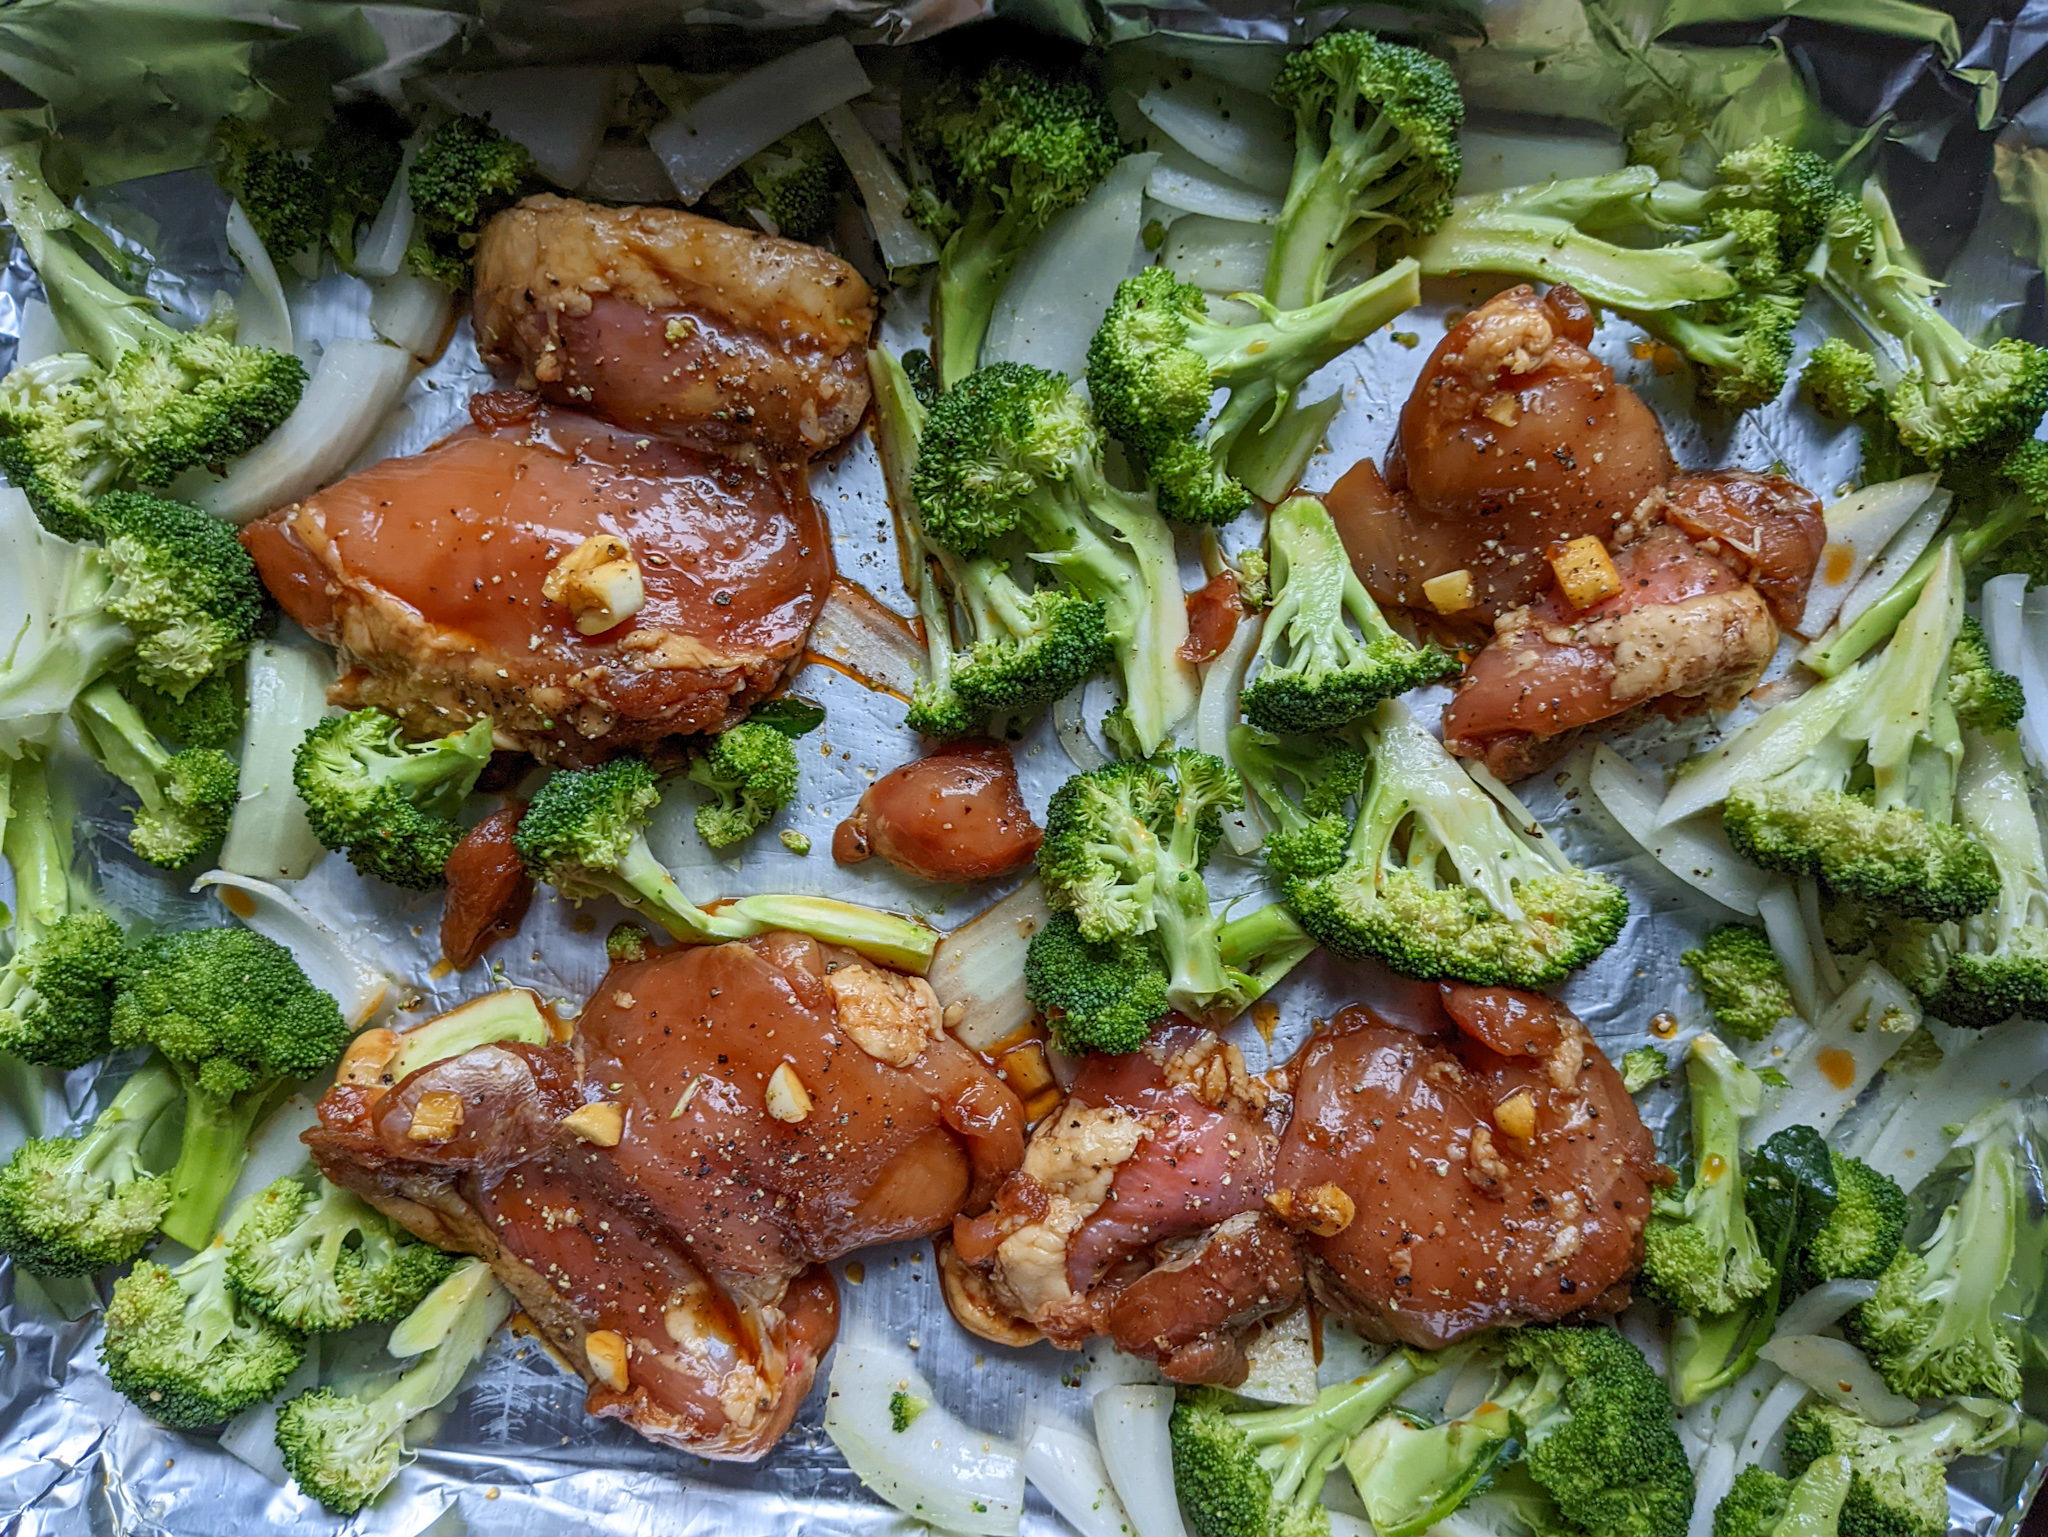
320,1261
210,714
1313,671
1935,1328
1011,450
1860,1236
788,189
183,584
183,1350
187,797
1473,894
1742,980
1742,344
1761,1504
1157,358
1303,787
904,1410
237,1018
1842,379
390,803
585,835
1854,781
465,172
1897,1487
1642,1067
1009,150
1243,1472
627,943
1983,698
1097,995
1701,1252
75,1205
301,202
139,402
344,1450
752,771
1956,399
57,989
1375,153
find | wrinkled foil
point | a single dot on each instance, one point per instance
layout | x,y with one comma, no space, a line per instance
513,1453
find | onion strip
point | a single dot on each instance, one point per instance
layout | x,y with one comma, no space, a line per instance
744,116
904,242
262,317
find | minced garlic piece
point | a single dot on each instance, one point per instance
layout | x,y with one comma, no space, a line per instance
598,582
788,1099
1585,572
602,1123
606,1350
436,1118
1450,593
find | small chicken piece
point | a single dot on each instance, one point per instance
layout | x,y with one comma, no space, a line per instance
1499,1172
1139,1213
663,321
1767,529
1514,440
956,815
488,888
1684,633
429,573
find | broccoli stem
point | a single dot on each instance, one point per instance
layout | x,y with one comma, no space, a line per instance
37,845
642,881
1325,198
1315,1433
974,268
124,744
1187,926
210,1157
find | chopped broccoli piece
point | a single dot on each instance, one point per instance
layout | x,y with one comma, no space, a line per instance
1244,1472
75,1205
1312,670
1157,358
390,803
1097,995
320,1261
1842,379
1897,1487
626,943
751,769
1701,1252
187,797
1310,830
1007,151
788,189
57,988
300,203
1642,1067
465,172
1761,1504
344,1450
904,1410
183,585
1984,699
237,1018
1375,154
1860,1236
1743,981
210,714
1475,894
1011,450
183,1350
1935,1328
139,402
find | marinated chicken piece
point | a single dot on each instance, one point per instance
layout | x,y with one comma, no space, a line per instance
1139,1213
1767,529
1515,439
1495,1173
1684,633
956,815
666,322
430,574
488,888
660,1193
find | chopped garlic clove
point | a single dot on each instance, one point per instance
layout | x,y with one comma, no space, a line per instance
601,1124
598,582
1585,572
788,1099
606,1351
1516,1115
1450,593
436,1118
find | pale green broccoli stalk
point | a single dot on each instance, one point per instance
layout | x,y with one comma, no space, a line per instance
1701,1253
1761,1504
752,773
187,797
1742,980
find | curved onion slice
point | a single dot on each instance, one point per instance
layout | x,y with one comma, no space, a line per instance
1977,1067
1837,1371
858,634
1218,256
1065,1467
1181,181
411,312
1237,132
1829,1066
904,242
269,836
1694,851
1216,713
1826,1304
979,968
380,252
745,116
1282,1361
1910,543
939,1470
262,317
1859,526
1131,1428
2016,625
329,961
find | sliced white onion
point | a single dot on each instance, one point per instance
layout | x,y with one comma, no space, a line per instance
1217,712
1778,907
380,252
1758,1445
872,642
1498,158
1240,133
744,116
1908,1138
1051,306
1837,1371
1065,1467
1218,256
1070,729
269,837
1859,526
557,114
411,313
1695,851
904,242
329,961
627,173
1831,1064
1103,1366
979,968
352,391
939,1470
1181,181
2016,626
1131,1429
1735,1408
1282,1361
262,317
1828,1303
1908,546
276,1149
